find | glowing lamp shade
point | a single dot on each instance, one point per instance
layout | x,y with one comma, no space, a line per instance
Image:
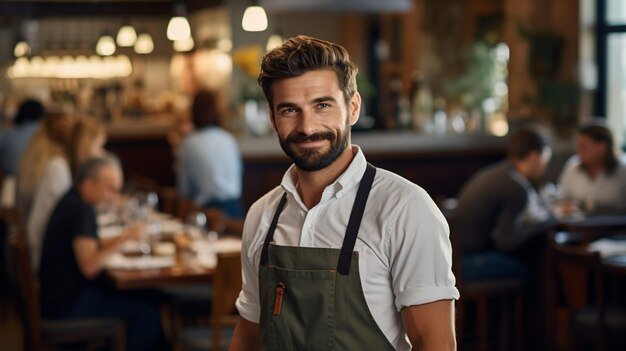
254,19
144,44
274,41
21,49
184,45
178,28
105,46
126,36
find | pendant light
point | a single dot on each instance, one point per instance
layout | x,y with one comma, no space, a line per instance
105,45
184,45
144,44
21,48
126,36
178,28
254,18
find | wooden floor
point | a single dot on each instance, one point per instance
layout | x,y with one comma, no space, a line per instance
10,330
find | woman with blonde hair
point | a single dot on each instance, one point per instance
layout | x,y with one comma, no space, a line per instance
44,176
87,141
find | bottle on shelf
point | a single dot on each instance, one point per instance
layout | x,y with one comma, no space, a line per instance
421,104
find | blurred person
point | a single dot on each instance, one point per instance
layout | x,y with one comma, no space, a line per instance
499,210
44,176
87,140
14,142
73,258
211,167
593,180
340,253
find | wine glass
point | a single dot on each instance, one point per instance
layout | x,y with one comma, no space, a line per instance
196,223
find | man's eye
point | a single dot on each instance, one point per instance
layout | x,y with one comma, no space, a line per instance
323,105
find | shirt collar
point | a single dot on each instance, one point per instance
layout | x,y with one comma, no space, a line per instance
348,179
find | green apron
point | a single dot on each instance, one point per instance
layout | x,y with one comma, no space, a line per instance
312,298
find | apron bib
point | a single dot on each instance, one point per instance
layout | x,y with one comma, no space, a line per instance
312,298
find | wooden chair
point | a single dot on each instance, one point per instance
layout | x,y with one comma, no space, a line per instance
226,288
41,334
481,293
594,320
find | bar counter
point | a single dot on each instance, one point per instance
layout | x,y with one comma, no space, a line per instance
438,163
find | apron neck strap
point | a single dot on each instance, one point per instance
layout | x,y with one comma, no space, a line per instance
352,231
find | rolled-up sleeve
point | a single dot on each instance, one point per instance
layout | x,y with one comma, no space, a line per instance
420,253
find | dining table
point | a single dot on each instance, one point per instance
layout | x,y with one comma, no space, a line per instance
172,254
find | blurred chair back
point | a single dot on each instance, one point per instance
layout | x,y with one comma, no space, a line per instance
226,287
483,293
591,319
38,333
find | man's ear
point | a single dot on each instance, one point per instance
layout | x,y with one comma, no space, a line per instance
355,108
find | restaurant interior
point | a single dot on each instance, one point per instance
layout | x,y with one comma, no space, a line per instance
444,84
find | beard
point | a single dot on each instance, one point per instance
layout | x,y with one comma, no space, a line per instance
311,160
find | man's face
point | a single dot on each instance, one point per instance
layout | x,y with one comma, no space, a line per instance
106,185
590,152
311,118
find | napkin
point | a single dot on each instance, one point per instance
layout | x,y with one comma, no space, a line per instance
608,246
119,261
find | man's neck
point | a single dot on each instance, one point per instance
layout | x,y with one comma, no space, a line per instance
311,185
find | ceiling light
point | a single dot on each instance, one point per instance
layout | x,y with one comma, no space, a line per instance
178,28
144,44
126,36
254,19
184,45
105,45
274,41
21,49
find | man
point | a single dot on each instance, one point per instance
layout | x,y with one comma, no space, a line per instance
325,264
73,257
499,210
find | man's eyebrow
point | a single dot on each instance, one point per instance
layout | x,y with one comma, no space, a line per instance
324,99
285,104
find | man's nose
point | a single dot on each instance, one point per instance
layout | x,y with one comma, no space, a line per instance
308,122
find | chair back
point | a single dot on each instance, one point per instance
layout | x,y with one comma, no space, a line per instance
226,288
589,263
29,291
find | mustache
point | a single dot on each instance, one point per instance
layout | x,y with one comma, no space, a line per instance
302,138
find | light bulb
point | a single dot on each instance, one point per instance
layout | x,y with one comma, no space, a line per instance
178,28
21,49
105,46
275,40
144,44
184,45
254,19
126,36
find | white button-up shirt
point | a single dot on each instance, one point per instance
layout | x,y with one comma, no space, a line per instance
603,194
404,249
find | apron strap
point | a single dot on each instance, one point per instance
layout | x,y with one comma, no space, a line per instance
352,231
270,233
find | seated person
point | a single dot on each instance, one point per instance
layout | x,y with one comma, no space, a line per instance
14,142
499,210
210,170
594,180
73,258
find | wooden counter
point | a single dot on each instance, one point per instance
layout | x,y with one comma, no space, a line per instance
440,164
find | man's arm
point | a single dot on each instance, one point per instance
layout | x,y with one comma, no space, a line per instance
246,336
91,257
430,326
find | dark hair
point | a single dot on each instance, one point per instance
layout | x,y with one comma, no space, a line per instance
90,168
30,110
302,54
601,134
524,141
205,109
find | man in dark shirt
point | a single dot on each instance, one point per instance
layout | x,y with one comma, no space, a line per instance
73,257
499,210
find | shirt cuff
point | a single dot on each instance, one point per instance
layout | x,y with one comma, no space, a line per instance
420,296
249,311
